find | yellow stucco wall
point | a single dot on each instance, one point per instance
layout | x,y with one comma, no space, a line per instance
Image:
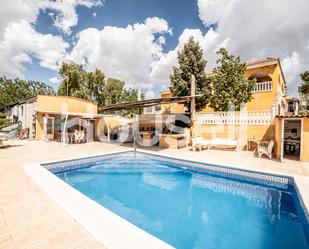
305,141
278,136
171,108
112,121
239,132
60,104
65,104
260,100
39,126
304,134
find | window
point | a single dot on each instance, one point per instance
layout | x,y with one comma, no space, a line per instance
22,110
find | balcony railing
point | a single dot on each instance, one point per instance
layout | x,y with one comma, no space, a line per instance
234,118
263,86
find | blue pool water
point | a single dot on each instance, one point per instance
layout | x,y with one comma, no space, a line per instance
188,209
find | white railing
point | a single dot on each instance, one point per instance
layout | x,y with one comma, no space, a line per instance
234,118
263,86
155,118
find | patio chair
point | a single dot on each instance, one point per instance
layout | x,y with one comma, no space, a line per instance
75,136
199,143
266,150
81,137
3,139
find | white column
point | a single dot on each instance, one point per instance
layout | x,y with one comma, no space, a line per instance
64,130
45,120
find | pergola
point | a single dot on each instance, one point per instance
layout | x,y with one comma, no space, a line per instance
148,103
153,102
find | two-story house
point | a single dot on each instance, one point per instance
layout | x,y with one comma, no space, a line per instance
256,119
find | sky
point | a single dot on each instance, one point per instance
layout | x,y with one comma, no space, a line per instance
137,40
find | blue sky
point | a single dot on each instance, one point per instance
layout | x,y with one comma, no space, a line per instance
138,40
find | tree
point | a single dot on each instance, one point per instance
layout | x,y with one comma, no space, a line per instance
113,91
14,90
129,95
230,87
304,86
74,77
79,83
96,85
191,62
3,120
304,90
93,85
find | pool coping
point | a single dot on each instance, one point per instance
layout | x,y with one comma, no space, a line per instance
106,226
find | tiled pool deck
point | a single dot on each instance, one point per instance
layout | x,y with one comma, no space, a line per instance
29,218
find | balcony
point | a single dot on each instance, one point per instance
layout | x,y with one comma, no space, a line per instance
266,86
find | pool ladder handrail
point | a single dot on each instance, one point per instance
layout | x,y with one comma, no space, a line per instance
134,145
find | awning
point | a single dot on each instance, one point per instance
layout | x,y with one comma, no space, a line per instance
75,114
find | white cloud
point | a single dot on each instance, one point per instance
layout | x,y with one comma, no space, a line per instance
135,53
294,65
20,42
54,80
66,16
209,43
253,30
16,11
128,53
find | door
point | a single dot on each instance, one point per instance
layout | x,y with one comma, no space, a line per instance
50,128
292,137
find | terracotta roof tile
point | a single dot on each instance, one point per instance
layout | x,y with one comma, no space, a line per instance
266,59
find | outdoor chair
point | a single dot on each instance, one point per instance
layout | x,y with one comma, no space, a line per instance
266,150
82,137
76,136
2,140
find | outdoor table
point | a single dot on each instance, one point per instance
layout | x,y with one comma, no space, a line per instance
146,135
170,140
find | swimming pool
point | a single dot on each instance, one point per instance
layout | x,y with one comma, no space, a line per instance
190,207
